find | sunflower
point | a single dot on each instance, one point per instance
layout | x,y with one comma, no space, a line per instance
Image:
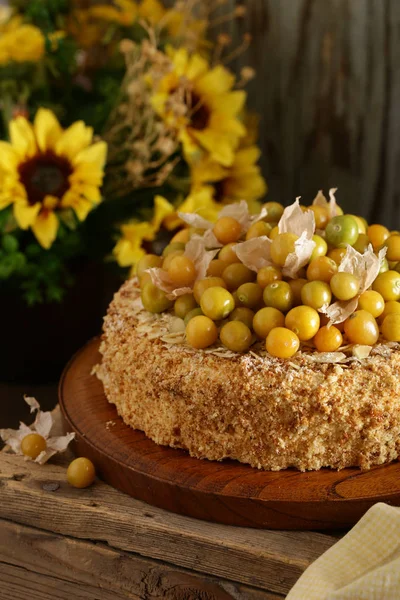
129,248
242,180
20,42
44,170
199,102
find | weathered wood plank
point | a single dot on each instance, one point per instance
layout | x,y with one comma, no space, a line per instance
41,562
270,560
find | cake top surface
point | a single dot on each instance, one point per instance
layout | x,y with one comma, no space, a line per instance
303,283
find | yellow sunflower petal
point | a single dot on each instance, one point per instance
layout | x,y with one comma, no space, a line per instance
207,170
81,205
219,146
74,139
22,137
229,105
127,254
47,129
162,208
90,192
24,214
180,59
45,228
217,81
151,10
94,156
201,201
8,157
197,67
247,156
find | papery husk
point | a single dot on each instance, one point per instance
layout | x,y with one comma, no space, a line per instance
294,220
237,210
195,220
364,266
42,425
195,250
255,253
320,200
295,260
302,224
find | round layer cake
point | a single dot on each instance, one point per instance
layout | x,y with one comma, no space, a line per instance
307,412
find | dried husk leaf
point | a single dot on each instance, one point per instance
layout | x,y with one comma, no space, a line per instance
300,257
195,250
42,425
361,351
237,210
320,200
294,220
195,220
364,266
255,253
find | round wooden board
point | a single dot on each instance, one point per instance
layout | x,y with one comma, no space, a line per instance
225,492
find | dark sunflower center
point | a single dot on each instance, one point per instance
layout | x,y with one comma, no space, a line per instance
43,175
200,113
219,193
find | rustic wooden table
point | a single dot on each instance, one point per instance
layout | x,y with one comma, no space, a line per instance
100,544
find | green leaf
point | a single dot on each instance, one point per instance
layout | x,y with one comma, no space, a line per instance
9,243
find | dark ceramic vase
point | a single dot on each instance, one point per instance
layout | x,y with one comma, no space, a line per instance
37,342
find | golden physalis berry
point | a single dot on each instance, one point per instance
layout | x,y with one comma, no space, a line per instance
243,314
303,321
328,339
201,332
316,294
388,285
267,275
184,304
236,336
321,269
154,300
278,295
345,286
266,319
361,328
372,302
236,274
32,445
202,285
282,246
227,230
182,271
216,268
228,255
258,229
377,234
81,473
391,327
217,303
282,343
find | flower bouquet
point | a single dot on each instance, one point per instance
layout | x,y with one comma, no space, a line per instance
114,117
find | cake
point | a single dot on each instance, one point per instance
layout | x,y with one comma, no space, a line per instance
314,409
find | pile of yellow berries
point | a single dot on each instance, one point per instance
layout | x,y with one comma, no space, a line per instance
239,306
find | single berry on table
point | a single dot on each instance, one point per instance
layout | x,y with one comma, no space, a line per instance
81,473
33,444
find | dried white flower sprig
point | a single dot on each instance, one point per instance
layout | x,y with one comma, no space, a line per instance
42,426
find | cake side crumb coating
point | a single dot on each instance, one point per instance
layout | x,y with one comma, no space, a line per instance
267,412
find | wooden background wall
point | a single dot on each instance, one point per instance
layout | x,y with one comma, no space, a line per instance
328,90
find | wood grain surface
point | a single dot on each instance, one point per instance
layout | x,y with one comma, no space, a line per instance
224,492
327,88
37,526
